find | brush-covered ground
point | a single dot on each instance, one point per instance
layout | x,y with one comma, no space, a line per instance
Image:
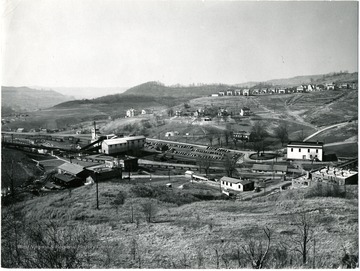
185,231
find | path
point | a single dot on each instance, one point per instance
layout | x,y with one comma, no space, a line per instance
326,128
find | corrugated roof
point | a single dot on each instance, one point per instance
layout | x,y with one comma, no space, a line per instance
269,167
115,141
134,138
233,180
71,168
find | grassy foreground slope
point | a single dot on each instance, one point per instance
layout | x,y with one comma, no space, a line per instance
206,234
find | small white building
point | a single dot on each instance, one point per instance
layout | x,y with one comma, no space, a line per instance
245,111
299,150
330,86
130,113
246,92
237,92
227,183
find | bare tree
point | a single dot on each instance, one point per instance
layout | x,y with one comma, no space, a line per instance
229,164
204,163
149,209
227,134
304,235
258,135
12,231
170,112
282,132
255,253
49,245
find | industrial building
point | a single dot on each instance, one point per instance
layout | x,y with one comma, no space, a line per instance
335,175
124,144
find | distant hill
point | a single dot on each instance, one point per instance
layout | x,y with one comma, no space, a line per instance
157,89
153,93
89,92
307,79
28,99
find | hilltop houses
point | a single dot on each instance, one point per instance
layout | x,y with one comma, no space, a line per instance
303,88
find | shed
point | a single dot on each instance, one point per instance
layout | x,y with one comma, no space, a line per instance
270,168
236,184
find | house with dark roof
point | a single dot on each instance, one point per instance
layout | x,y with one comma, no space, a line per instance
240,185
71,175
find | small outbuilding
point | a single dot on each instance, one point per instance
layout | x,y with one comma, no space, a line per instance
227,183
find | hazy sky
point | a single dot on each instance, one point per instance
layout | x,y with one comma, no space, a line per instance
103,43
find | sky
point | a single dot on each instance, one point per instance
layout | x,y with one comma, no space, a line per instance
108,43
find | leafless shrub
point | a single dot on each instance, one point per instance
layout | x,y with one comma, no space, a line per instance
50,245
255,253
304,235
149,209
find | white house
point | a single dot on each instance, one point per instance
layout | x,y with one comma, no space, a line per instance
246,92
130,112
245,111
229,92
227,183
305,150
237,92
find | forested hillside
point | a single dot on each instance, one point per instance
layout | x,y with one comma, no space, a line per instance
28,99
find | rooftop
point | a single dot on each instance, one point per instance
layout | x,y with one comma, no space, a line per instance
71,168
65,178
115,141
335,172
269,167
308,143
233,180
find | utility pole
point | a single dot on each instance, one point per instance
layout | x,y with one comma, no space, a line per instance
97,190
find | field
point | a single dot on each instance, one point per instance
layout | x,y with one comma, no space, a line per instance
189,233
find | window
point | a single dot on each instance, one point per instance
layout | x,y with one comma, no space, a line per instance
292,149
239,186
299,150
317,151
310,155
308,150
230,184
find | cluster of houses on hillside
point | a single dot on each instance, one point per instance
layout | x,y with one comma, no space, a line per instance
285,90
133,112
206,116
